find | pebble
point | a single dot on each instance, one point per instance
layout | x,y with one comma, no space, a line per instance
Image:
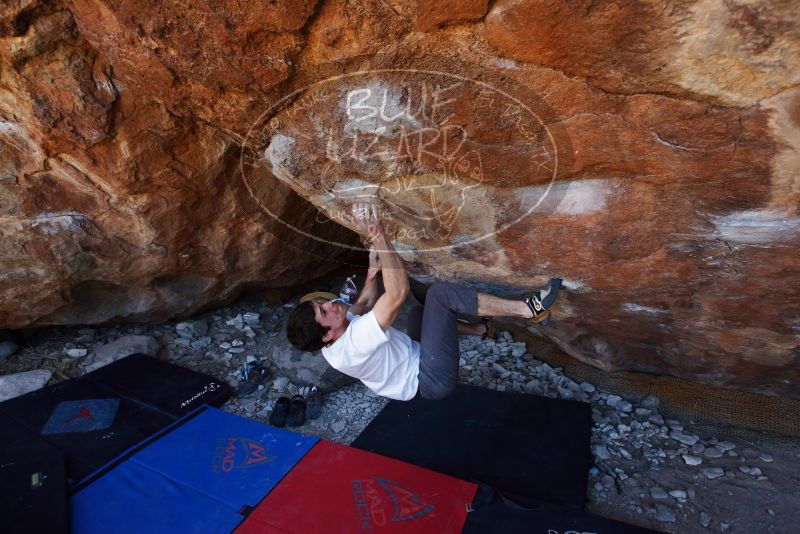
16,384
237,322
650,401
191,329
658,493
587,387
713,472
755,471
725,446
499,368
664,514
678,494
201,343
613,400
686,439
765,457
280,383
532,386
705,519
338,426
251,317
656,420
76,353
712,452
692,460
601,451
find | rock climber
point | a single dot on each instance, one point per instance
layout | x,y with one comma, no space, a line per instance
361,342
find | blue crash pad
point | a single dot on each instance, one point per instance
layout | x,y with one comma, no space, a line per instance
134,499
203,472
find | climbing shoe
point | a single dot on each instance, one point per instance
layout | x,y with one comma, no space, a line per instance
542,299
313,403
279,412
252,375
297,411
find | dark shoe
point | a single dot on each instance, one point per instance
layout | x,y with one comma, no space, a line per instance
297,411
252,375
542,299
280,412
313,404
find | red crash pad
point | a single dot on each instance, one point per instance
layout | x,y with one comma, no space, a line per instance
339,489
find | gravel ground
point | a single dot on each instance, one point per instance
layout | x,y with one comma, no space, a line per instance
661,473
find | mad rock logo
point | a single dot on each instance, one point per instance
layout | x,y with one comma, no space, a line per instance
380,501
239,453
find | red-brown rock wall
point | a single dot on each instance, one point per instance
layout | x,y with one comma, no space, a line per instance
154,159
115,207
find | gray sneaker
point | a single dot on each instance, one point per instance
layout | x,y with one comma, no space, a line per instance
313,403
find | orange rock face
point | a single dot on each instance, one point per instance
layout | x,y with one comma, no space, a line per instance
155,161
113,206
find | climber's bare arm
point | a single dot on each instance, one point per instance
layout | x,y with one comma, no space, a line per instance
395,277
369,294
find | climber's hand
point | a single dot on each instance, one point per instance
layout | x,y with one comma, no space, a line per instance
367,219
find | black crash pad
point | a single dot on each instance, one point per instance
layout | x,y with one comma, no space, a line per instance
90,424
528,448
33,493
163,385
491,513
95,418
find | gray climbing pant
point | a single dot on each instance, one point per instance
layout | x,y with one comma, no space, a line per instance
434,327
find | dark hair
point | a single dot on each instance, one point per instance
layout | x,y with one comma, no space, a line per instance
303,331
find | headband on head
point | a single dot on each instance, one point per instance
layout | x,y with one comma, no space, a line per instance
318,295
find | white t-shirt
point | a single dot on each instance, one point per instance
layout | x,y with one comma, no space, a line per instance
386,362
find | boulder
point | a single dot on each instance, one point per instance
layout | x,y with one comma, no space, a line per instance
20,383
303,368
155,162
116,205
664,199
118,349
